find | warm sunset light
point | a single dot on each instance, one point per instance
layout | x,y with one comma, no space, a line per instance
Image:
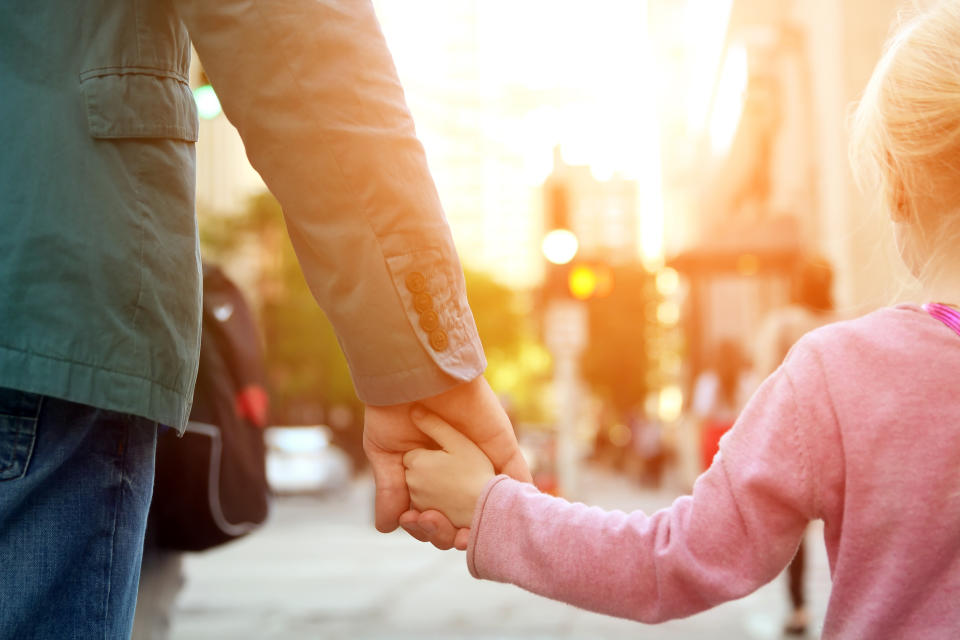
748,264
560,246
539,280
668,313
667,281
728,101
670,405
706,27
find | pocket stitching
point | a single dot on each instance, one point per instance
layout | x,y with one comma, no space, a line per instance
98,72
22,435
97,107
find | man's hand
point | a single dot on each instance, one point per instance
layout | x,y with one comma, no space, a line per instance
474,410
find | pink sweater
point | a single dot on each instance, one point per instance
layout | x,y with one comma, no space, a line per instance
859,427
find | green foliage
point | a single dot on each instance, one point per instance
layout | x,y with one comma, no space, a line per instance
616,363
305,367
518,366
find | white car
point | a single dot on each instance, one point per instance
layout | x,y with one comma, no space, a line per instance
302,460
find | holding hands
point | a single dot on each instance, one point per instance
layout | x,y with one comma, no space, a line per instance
449,479
389,433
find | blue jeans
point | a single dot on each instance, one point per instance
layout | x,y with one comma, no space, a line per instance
75,488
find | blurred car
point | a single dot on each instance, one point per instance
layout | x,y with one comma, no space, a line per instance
303,460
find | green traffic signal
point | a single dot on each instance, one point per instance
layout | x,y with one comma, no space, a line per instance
208,105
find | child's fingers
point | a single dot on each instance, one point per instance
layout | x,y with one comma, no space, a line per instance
442,532
439,431
410,458
462,538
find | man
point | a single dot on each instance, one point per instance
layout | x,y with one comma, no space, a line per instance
99,268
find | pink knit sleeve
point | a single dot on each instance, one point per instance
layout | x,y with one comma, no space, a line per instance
737,531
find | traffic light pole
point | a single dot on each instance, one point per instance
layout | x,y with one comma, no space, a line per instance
566,337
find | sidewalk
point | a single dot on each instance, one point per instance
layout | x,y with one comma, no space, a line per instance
320,570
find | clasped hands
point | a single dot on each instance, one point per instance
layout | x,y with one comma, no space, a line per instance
431,492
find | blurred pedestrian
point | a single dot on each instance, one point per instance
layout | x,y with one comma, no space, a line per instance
719,393
811,306
858,427
100,272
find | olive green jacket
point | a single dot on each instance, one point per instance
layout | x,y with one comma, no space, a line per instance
99,261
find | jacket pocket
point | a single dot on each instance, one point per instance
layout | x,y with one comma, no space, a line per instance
136,102
18,431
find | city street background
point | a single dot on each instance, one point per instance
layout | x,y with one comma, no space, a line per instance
320,570
635,189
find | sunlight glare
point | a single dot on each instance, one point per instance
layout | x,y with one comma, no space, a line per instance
728,104
706,29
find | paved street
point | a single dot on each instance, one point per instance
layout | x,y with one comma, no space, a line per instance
320,570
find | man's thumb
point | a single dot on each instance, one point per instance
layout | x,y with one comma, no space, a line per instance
391,497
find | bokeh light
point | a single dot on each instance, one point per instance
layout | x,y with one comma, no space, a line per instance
560,246
671,403
668,313
667,281
582,282
208,104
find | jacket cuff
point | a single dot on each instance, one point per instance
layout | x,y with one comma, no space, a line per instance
432,346
478,522
416,384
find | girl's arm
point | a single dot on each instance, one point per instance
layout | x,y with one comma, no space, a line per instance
736,532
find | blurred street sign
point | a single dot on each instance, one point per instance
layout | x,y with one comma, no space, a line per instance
565,327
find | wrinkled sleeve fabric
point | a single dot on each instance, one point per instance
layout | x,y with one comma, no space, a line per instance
312,89
738,530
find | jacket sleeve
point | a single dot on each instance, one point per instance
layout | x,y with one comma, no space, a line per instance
311,87
737,531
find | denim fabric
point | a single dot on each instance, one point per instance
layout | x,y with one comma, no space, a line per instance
75,488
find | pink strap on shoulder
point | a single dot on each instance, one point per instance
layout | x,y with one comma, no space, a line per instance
945,314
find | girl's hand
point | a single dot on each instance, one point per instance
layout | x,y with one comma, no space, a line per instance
449,479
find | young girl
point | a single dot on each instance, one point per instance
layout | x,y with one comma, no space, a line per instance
860,427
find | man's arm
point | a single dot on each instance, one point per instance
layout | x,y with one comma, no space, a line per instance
311,87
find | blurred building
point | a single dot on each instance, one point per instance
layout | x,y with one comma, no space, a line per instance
601,213
771,170
751,104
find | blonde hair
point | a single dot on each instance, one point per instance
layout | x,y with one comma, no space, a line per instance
905,137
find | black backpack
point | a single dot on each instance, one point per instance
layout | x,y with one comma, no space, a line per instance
211,483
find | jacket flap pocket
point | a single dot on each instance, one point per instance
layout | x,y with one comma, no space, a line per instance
139,103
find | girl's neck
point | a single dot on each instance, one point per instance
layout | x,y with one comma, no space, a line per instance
943,286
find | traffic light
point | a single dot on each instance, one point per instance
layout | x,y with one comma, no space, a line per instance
208,104
588,280
560,244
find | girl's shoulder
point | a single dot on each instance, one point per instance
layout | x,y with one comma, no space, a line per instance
897,327
888,342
